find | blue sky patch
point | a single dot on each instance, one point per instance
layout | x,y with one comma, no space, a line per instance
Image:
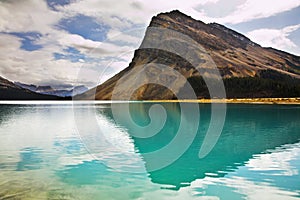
28,40
294,36
73,55
85,26
278,21
54,3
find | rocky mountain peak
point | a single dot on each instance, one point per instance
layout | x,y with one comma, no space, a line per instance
237,59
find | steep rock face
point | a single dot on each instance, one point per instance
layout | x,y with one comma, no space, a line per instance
235,56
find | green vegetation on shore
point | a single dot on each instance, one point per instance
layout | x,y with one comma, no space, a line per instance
268,84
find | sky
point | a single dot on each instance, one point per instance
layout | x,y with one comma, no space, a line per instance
84,42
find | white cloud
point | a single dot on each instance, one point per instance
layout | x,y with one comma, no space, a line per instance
253,9
40,67
118,36
133,12
276,38
27,16
129,11
33,66
123,18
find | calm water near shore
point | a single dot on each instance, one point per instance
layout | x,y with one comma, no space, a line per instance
54,151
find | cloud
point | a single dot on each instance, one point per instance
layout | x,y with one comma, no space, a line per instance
29,64
93,48
252,9
27,16
277,38
51,41
255,9
34,66
128,12
40,67
123,37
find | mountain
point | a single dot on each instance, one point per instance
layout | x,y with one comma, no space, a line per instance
49,90
78,90
247,69
11,91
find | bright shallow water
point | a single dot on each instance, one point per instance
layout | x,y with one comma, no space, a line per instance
53,151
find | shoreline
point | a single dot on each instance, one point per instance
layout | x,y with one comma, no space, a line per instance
291,101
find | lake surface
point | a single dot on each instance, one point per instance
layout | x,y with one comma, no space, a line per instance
53,151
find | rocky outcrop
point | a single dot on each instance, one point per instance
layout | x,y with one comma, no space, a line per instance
234,55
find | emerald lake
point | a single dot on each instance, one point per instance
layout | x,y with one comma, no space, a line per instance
66,151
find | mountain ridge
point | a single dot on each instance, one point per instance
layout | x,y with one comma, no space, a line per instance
49,90
11,91
238,59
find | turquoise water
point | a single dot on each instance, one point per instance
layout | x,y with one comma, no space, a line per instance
53,151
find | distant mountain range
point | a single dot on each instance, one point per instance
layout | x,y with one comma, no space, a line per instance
247,69
11,91
49,90
20,91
